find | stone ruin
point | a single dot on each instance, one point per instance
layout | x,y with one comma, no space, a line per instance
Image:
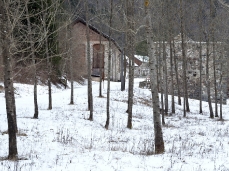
217,55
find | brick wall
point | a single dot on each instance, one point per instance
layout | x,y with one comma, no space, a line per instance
79,44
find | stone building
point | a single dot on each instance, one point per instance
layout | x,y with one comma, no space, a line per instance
216,52
1,64
98,50
141,66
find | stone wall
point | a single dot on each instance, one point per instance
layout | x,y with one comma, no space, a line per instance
1,64
193,69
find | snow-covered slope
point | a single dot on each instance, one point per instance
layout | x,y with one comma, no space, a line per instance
63,138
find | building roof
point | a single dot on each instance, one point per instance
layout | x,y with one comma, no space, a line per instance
143,59
137,62
80,20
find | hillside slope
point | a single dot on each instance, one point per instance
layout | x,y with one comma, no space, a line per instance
63,138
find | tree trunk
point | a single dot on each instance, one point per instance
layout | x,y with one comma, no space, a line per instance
90,97
212,33
125,62
71,67
159,142
220,90
165,79
48,60
101,71
209,37
49,73
208,78
215,83
72,82
171,75
160,76
109,68
177,76
200,90
170,30
34,63
200,54
185,87
122,77
101,63
130,49
8,83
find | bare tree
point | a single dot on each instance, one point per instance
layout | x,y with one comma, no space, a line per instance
171,75
160,79
170,14
70,10
71,68
159,142
130,49
109,66
207,34
100,53
48,17
32,48
222,65
164,32
69,50
176,74
90,97
49,60
207,75
224,62
50,10
215,79
212,17
222,2
165,77
200,16
6,32
123,68
200,68
185,87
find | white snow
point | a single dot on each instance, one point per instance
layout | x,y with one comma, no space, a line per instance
142,58
62,139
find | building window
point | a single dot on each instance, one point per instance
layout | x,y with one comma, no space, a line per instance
194,74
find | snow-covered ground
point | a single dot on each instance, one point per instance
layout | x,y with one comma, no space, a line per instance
62,139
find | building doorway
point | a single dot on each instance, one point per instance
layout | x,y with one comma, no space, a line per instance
98,60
